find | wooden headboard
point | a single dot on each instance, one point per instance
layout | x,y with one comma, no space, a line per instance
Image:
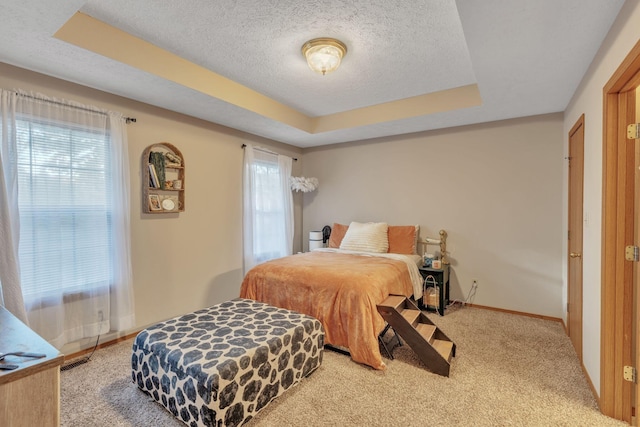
441,241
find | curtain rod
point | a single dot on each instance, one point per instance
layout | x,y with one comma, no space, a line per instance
50,101
265,151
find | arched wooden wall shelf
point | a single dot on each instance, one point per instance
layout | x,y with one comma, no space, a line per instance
163,183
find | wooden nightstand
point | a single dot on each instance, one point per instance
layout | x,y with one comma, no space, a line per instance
441,276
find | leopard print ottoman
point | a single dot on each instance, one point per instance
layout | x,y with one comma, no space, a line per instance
221,365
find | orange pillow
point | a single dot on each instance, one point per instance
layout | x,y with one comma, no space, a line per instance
402,239
337,234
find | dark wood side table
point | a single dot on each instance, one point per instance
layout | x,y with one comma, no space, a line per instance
441,276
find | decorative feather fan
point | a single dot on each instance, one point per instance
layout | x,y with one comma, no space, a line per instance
300,183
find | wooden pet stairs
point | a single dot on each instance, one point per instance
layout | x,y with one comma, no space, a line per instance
431,345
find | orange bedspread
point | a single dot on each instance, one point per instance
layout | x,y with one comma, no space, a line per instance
341,290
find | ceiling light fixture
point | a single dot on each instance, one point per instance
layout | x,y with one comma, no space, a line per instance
324,54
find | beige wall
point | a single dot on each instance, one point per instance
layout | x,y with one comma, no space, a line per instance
496,188
181,262
587,100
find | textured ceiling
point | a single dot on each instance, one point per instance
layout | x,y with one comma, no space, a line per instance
521,57
391,54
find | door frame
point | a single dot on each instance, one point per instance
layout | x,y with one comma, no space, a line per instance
573,305
617,232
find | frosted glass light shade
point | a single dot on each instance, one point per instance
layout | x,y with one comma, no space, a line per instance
324,54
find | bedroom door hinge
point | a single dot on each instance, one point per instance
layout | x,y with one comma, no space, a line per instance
633,131
630,374
632,253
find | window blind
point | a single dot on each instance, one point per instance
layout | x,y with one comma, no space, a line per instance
65,208
269,210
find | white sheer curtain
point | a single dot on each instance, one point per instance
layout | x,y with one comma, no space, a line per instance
72,202
268,207
121,315
11,295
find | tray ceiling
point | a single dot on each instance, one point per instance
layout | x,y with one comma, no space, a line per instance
411,65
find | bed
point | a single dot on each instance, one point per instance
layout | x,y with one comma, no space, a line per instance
341,285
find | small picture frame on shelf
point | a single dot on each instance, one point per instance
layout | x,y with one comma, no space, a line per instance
154,202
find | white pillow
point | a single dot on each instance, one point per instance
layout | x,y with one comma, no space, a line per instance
366,237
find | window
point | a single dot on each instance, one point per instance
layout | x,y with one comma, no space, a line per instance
268,207
269,211
65,209
64,190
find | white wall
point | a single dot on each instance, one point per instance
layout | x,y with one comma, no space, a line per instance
623,35
181,262
496,188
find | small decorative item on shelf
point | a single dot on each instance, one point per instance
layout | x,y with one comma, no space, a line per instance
153,181
177,184
173,160
437,264
156,159
170,204
428,260
154,202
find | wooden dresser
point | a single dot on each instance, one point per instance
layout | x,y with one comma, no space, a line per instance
30,394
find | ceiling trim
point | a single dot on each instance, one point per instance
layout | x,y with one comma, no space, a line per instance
92,34
421,105
96,36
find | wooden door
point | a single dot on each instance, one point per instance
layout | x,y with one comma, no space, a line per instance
618,231
635,352
574,260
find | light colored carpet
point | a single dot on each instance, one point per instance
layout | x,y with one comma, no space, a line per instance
509,370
